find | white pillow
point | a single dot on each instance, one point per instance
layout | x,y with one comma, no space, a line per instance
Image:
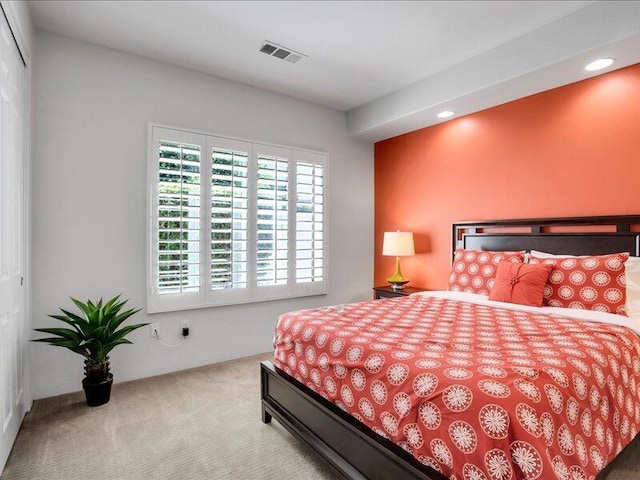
632,274
536,253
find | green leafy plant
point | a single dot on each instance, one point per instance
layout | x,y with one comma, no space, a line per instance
94,333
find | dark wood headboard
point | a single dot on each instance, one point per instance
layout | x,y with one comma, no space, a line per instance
570,236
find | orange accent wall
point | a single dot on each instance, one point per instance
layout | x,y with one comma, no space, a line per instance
570,151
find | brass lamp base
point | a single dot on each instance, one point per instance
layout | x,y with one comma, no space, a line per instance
398,285
396,280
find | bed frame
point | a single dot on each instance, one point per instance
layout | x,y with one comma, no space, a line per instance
357,452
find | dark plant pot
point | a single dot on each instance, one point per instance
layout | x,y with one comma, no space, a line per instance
97,393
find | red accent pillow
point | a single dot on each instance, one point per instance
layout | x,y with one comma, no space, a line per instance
520,283
474,271
591,283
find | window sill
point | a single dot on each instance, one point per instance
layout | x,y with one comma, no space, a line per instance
152,309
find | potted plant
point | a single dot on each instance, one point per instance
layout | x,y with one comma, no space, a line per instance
94,334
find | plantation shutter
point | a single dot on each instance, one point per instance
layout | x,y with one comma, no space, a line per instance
179,217
233,221
272,216
176,219
229,220
310,215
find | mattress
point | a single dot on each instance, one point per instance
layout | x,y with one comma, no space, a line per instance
473,388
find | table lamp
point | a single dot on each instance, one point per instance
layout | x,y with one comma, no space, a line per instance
397,244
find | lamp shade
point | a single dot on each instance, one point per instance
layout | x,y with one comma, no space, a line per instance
398,244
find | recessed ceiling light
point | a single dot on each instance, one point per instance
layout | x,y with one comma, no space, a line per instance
599,64
445,114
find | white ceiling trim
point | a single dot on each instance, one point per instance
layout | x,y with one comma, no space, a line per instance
556,54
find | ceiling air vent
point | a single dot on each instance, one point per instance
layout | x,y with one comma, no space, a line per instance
283,53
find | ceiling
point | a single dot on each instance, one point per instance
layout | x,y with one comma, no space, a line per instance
361,55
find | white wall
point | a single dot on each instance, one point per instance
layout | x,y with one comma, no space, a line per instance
20,20
92,107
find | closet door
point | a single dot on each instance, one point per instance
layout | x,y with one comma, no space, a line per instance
13,330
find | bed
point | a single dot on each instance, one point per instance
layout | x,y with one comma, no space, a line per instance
356,445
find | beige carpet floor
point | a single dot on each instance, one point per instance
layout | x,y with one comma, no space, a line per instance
197,424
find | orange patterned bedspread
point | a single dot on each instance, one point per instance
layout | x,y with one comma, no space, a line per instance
473,390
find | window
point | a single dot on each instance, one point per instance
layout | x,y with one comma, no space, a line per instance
232,221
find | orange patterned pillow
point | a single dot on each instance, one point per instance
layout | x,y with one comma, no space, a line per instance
592,283
520,283
474,271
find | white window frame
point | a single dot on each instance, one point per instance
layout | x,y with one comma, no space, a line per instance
206,297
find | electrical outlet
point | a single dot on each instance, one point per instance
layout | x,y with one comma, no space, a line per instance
184,328
154,329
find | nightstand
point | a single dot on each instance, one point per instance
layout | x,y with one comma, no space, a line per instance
387,292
